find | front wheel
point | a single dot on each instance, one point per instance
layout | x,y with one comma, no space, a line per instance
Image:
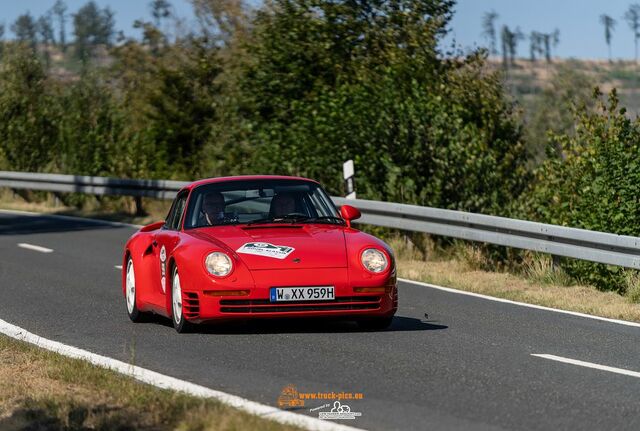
375,323
177,310
130,294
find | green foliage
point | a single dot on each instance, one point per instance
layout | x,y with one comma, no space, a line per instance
323,82
553,109
90,139
25,29
92,27
27,112
168,98
591,180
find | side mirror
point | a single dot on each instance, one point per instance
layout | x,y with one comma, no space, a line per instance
153,226
349,213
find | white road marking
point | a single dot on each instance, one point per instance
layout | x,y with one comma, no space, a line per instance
171,383
588,365
35,247
521,304
118,267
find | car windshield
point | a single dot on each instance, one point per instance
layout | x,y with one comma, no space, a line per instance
260,201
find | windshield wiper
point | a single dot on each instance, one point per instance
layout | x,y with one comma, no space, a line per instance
324,218
287,218
261,221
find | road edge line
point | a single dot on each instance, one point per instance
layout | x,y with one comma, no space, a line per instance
167,382
521,304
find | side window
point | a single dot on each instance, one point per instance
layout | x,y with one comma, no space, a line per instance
176,213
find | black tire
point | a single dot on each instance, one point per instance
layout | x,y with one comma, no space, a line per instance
375,324
180,324
133,312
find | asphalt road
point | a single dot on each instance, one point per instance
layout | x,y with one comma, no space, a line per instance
469,366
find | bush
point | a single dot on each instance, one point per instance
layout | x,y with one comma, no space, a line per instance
591,180
27,112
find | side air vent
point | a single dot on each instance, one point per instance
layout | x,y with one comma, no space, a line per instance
191,305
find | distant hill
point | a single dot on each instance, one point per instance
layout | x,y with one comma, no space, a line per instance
527,79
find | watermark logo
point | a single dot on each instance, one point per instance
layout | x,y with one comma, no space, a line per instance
289,398
334,407
339,411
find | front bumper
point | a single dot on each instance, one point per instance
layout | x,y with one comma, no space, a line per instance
376,297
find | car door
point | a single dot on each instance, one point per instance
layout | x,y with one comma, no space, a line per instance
165,242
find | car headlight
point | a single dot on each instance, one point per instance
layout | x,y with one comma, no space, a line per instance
374,260
218,264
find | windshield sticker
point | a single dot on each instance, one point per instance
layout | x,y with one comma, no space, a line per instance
265,249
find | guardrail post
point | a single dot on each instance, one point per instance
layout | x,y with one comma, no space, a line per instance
139,209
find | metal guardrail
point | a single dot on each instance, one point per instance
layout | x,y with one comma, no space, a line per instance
160,189
582,244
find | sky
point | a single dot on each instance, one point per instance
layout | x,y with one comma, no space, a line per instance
581,34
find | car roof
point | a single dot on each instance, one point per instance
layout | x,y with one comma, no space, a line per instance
244,178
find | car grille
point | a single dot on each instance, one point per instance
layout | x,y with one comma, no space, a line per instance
265,306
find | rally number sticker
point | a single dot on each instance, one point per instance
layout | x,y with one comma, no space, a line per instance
163,269
265,249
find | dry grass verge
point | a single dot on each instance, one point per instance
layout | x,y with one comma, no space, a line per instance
538,283
45,390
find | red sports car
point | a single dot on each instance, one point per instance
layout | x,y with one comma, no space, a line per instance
258,246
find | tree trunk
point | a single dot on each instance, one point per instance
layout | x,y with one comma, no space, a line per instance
140,212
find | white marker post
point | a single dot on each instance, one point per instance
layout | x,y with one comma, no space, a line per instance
348,172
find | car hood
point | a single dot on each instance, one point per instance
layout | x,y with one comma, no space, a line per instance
282,246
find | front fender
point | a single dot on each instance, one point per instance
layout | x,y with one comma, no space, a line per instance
189,258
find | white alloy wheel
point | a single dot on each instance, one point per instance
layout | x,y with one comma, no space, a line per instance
177,298
131,287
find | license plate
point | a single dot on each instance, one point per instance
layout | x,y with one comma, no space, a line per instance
315,293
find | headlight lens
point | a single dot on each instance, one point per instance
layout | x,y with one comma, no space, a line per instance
218,264
374,260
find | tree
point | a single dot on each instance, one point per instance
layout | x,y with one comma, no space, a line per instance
632,16
221,20
1,41
489,30
510,40
609,26
549,40
25,29
92,27
45,29
27,112
160,10
535,43
323,82
515,38
60,11
505,38
151,35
